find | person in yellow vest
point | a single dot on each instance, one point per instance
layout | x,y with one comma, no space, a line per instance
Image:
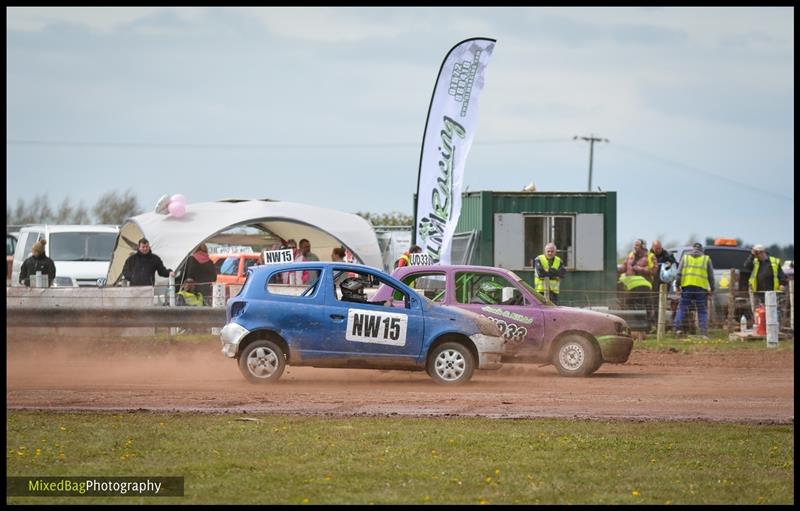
695,281
549,265
766,274
405,259
634,289
187,294
641,269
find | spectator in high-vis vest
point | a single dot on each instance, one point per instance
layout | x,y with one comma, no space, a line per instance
635,290
766,273
549,265
695,281
405,259
188,296
643,264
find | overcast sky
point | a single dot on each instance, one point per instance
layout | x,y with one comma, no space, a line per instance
326,106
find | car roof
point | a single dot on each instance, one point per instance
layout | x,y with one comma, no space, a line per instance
444,267
52,228
316,264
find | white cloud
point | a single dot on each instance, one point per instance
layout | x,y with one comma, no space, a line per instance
324,24
100,19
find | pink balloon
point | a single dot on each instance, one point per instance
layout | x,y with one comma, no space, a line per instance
176,209
178,198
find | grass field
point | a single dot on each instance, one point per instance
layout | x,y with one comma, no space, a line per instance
313,460
718,341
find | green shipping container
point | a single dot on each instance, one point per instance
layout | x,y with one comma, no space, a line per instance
509,229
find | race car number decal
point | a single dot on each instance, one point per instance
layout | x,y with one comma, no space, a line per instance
510,331
376,327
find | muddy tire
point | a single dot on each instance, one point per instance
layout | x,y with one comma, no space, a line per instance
576,356
450,363
262,362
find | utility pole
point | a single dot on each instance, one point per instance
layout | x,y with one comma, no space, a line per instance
591,139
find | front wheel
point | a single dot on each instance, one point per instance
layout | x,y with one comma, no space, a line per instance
262,362
450,363
576,356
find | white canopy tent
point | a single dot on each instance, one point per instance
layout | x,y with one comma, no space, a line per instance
174,239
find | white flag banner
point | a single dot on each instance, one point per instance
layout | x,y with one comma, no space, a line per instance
449,131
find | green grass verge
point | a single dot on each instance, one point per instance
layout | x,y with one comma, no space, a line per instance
718,340
297,460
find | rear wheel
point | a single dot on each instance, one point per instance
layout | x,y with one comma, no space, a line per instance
262,362
576,356
450,363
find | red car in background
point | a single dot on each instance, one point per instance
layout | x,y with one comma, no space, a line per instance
232,268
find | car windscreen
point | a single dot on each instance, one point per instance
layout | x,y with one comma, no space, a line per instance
11,245
82,246
723,259
230,266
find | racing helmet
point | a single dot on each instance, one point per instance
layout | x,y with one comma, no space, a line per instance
490,292
668,272
353,290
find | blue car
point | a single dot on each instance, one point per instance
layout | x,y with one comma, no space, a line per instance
331,322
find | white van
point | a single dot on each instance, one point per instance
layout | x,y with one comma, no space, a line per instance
81,253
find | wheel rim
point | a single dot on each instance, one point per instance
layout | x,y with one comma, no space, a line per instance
262,362
450,365
572,356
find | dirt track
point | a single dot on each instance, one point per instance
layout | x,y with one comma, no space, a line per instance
741,386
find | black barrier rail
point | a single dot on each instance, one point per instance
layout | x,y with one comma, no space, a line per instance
206,317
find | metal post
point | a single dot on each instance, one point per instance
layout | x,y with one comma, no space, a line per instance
547,288
591,157
662,311
710,314
38,280
171,290
730,321
591,139
791,304
771,303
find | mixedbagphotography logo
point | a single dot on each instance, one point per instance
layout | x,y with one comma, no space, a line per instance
88,486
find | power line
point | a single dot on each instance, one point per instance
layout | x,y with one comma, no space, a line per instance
217,145
694,170
194,145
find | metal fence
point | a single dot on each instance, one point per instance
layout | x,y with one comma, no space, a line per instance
137,306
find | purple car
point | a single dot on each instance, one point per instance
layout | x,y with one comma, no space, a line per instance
576,341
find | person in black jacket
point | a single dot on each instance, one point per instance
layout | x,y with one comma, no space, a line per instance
201,269
38,261
141,266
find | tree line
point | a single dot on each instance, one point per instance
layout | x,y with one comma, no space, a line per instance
393,219
113,208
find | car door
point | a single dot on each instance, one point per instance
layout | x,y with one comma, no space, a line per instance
378,332
493,295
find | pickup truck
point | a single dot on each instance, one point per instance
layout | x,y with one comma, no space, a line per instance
576,341
332,323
